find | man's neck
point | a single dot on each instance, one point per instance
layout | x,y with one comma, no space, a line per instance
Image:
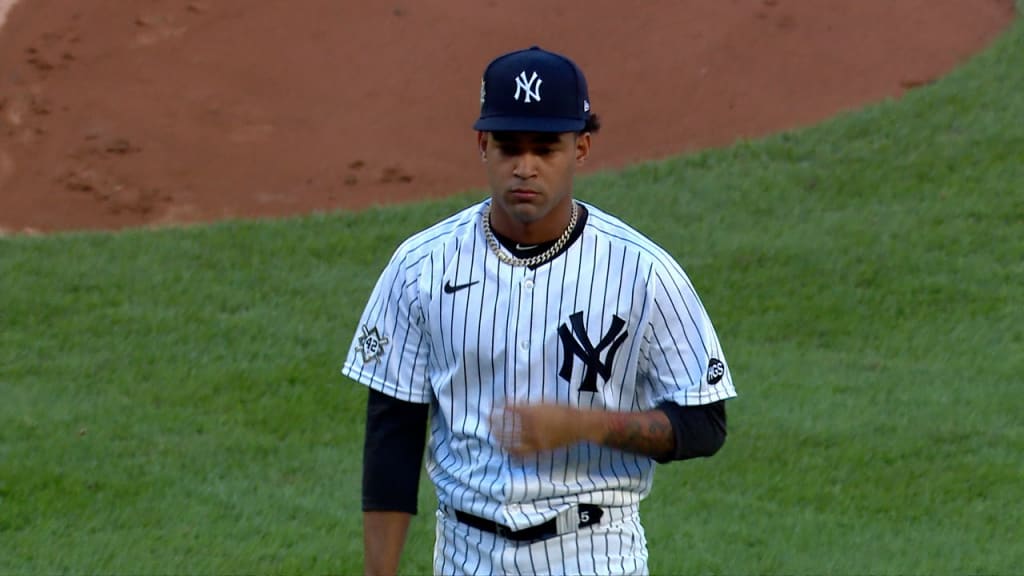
546,230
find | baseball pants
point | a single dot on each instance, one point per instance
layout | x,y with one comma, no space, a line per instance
615,546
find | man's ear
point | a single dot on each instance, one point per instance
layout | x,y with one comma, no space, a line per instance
481,143
582,148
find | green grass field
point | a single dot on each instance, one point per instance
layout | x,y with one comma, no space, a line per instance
171,401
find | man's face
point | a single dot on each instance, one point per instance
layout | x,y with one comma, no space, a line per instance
531,173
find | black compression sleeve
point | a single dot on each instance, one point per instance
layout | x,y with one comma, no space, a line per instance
699,430
396,432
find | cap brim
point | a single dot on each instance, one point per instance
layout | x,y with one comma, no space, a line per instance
528,124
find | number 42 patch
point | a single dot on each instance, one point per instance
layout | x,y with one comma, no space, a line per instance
371,344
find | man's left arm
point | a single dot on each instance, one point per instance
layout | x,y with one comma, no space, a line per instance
669,432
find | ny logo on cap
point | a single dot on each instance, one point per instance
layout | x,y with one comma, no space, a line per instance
528,88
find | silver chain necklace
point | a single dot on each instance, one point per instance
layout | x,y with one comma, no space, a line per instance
533,260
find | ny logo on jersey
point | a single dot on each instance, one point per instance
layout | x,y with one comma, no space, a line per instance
576,344
528,88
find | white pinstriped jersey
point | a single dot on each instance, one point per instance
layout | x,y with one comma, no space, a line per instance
612,323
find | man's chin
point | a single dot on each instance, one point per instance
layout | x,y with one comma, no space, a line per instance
525,212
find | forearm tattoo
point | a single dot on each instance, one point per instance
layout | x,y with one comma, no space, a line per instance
649,433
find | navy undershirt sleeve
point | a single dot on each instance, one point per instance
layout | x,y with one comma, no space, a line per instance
396,433
699,430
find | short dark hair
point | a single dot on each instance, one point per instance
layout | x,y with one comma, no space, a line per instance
593,124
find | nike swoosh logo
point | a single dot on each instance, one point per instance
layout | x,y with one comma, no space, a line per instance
522,247
449,288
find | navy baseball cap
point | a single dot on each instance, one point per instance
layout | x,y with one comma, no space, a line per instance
533,90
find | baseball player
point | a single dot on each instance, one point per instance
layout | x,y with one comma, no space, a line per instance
555,353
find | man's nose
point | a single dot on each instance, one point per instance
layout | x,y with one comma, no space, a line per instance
526,166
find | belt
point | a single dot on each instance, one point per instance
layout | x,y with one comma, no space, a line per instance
589,515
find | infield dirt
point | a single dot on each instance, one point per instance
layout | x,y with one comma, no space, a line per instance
118,113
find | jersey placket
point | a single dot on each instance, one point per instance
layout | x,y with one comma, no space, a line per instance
517,343
527,334
526,338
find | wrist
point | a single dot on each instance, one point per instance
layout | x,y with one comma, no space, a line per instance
649,433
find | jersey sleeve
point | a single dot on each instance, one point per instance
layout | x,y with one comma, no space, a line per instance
389,351
683,360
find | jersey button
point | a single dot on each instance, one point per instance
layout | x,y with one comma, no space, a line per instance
528,284
524,345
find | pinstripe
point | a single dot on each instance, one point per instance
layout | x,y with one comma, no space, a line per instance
590,306
614,460
672,346
507,357
619,267
586,548
660,382
565,556
473,555
479,345
619,552
482,548
643,358
535,332
522,565
494,548
530,554
563,265
548,564
682,297
634,471
582,479
545,363
600,550
676,319
464,357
